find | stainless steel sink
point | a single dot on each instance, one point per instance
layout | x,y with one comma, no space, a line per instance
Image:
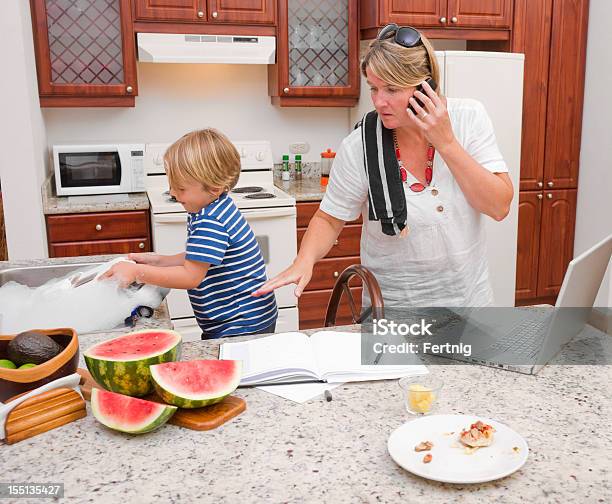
34,276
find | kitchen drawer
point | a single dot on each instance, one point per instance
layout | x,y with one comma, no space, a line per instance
326,271
99,247
347,243
305,211
97,226
313,307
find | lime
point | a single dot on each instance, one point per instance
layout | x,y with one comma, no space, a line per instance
26,366
5,363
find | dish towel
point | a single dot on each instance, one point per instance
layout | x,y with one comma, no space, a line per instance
386,198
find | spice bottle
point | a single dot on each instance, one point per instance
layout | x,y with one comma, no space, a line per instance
298,167
327,159
285,169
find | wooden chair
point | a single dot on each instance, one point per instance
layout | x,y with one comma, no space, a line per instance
342,285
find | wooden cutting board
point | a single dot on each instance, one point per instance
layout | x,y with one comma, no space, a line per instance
205,418
42,413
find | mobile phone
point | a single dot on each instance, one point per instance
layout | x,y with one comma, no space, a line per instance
433,85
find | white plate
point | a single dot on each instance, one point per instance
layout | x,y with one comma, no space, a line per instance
450,463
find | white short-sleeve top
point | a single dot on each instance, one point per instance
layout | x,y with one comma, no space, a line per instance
442,260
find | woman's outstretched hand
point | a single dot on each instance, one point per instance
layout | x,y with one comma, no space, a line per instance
297,273
432,118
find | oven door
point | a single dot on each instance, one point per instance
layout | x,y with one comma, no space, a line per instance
275,231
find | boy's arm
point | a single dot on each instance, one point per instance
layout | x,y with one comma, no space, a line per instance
157,259
186,276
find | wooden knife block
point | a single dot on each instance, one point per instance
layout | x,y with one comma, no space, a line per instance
42,413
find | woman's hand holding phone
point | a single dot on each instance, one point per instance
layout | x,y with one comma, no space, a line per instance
429,113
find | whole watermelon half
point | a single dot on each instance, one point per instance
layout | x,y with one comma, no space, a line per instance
128,414
122,364
197,383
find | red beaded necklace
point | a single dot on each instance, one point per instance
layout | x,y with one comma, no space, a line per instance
416,186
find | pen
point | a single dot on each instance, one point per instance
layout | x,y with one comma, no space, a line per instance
251,385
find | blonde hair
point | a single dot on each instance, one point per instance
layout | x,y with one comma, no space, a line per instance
401,66
205,156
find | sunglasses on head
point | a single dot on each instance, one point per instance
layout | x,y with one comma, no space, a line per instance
405,36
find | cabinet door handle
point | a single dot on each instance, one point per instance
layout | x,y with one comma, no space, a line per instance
286,90
454,19
443,20
540,184
200,14
129,89
215,14
141,245
549,196
550,184
336,242
336,274
98,227
540,196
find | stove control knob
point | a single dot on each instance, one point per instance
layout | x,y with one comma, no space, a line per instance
158,160
243,152
260,156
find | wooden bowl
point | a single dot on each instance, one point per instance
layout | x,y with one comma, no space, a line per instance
18,381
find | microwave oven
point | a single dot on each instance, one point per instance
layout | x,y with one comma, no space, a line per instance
98,169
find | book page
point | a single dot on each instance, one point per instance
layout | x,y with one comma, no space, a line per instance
279,355
338,355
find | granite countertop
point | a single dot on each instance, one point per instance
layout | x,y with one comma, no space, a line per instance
319,451
307,189
53,204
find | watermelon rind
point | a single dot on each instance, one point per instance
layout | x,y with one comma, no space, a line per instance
171,395
160,413
131,376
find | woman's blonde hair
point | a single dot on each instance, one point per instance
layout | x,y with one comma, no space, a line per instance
401,66
205,156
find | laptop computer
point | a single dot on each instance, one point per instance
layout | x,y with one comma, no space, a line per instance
526,339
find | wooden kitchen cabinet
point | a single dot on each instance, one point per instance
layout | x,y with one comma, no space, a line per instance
552,34
545,243
98,233
440,18
556,239
85,54
528,249
312,304
207,11
317,57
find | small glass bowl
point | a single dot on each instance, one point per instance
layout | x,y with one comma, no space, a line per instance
420,394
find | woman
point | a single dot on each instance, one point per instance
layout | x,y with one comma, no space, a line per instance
429,247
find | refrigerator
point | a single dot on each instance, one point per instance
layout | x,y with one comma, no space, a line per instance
496,80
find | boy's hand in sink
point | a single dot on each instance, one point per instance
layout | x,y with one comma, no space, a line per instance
126,273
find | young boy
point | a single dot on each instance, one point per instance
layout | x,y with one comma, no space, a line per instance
222,264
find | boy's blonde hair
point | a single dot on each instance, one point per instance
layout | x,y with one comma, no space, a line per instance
401,66
205,156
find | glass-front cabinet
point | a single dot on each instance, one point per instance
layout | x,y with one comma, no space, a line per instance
84,52
317,61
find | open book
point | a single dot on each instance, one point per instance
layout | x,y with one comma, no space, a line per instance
293,357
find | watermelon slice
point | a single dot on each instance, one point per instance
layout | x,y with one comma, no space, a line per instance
128,414
197,383
122,364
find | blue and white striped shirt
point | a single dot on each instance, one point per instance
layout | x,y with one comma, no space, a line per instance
220,235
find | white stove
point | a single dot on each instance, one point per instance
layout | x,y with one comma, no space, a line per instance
271,213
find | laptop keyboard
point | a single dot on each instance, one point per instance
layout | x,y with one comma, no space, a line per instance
525,339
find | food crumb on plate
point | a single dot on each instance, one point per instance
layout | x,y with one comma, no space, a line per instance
427,458
423,446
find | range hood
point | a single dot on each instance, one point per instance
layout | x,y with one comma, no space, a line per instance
185,48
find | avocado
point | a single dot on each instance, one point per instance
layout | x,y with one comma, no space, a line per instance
32,347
